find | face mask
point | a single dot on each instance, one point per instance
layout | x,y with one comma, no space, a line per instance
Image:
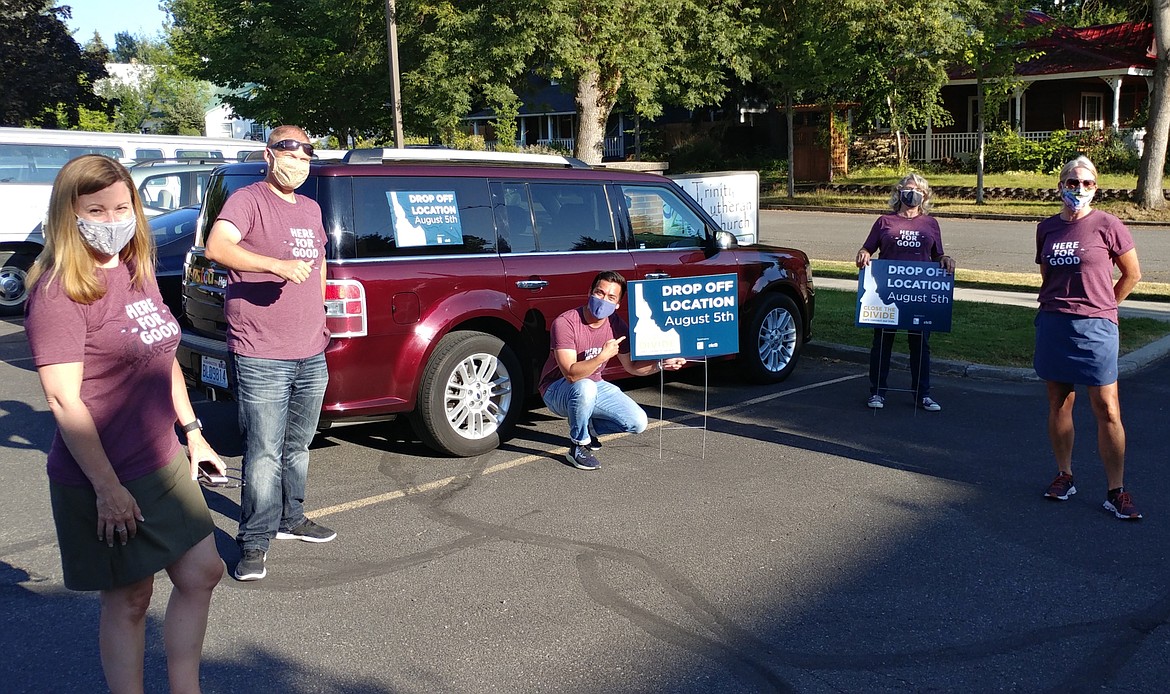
107,238
600,308
1078,199
289,172
911,197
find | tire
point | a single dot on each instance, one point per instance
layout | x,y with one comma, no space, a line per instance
471,393
13,288
772,341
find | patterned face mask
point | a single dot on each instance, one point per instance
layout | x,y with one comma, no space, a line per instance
107,238
1077,198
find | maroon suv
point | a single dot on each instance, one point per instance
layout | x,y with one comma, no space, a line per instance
445,274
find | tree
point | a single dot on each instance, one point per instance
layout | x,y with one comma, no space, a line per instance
126,47
46,77
1153,163
322,66
95,46
155,94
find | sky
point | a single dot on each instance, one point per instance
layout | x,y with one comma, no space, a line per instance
109,17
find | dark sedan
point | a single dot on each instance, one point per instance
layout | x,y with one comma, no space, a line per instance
174,233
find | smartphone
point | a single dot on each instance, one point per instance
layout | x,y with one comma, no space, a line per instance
209,475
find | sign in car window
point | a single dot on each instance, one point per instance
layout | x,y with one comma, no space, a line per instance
732,198
425,218
906,295
684,317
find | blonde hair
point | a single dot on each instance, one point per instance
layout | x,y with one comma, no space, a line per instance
1081,162
920,182
66,255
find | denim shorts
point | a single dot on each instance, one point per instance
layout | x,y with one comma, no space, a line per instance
1075,349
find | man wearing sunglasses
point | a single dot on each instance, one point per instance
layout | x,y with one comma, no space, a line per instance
272,241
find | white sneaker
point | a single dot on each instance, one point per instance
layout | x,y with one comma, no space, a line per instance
875,402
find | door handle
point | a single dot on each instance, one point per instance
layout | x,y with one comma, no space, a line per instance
657,275
531,284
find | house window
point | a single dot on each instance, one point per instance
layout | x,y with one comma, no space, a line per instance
257,132
1092,111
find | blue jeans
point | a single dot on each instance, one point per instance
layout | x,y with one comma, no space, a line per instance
279,405
879,361
605,405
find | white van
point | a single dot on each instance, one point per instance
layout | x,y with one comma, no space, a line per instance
30,159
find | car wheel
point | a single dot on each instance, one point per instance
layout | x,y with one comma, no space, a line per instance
471,393
772,341
13,285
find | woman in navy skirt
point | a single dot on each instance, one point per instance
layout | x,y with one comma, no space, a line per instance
1076,327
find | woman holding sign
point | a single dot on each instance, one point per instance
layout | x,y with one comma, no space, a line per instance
1076,327
907,233
123,492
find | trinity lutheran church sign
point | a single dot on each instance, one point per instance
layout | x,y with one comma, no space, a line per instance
905,295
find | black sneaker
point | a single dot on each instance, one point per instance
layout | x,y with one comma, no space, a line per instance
1061,488
580,458
307,531
251,566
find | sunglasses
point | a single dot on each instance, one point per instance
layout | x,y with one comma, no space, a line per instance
1072,184
292,146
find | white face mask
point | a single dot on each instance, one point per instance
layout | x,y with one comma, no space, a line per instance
107,238
290,173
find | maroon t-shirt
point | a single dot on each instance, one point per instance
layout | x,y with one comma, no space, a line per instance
268,317
126,344
894,237
569,331
1076,263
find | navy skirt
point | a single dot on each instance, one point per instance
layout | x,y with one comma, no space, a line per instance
1074,349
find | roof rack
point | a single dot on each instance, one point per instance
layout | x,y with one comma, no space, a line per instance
381,155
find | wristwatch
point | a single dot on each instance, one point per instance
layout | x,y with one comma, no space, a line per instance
192,426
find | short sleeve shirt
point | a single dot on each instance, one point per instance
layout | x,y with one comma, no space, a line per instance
894,237
1076,263
569,331
126,344
268,317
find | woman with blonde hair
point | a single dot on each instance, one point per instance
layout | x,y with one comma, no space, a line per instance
907,233
1076,327
124,497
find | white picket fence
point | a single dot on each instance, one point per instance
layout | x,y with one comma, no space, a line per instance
936,146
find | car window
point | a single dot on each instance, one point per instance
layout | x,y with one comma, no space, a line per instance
163,192
407,216
571,217
660,219
513,211
148,154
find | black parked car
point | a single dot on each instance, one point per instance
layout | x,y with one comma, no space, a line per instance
174,234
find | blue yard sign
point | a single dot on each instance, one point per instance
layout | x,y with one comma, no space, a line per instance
689,317
905,295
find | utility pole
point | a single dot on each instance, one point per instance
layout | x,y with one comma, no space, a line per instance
395,84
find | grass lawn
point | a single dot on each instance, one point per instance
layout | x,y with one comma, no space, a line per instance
773,192
981,333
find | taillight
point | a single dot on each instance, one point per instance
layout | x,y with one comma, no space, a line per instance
345,308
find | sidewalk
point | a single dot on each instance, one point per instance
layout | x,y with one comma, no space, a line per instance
1127,364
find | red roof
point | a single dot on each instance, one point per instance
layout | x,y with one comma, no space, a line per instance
1105,48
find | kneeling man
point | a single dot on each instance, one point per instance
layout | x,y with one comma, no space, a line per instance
583,340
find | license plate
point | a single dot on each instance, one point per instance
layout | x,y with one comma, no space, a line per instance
214,372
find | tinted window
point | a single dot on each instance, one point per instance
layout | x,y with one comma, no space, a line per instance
571,217
513,217
660,219
403,216
40,163
198,154
148,154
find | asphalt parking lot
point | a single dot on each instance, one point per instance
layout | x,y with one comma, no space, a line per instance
799,542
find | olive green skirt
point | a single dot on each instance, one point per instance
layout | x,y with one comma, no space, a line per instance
176,516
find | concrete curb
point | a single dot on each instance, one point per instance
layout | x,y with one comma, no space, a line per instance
1127,364
935,213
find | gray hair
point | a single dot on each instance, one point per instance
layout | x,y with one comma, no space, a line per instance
922,185
1081,162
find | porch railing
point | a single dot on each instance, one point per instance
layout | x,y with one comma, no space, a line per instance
950,145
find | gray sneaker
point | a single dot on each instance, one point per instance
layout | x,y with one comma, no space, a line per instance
307,531
251,566
875,402
929,405
580,458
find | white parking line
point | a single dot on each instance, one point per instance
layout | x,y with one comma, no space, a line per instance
524,460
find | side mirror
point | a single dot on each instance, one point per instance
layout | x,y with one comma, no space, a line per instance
725,240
